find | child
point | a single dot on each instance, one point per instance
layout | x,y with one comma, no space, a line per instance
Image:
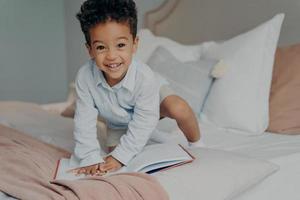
120,89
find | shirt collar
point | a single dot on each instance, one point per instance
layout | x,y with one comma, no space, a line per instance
128,81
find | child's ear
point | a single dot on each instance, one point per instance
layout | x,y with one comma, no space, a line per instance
89,48
135,44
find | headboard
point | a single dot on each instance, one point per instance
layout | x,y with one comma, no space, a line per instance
195,21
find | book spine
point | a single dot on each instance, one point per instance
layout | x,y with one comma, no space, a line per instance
187,152
56,169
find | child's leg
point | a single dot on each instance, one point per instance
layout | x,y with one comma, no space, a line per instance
177,108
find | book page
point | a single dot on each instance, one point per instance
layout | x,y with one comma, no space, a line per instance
152,157
157,156
63,170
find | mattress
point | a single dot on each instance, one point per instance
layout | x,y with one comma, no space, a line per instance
283,150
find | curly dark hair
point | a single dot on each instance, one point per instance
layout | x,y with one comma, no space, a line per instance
93,12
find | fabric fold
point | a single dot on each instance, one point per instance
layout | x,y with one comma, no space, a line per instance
28,166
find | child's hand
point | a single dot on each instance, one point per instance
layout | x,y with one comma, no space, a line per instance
89,170
111,164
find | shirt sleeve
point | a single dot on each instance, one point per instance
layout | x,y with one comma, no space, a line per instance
143,123
87,148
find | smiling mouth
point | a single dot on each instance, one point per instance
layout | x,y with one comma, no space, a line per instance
114,66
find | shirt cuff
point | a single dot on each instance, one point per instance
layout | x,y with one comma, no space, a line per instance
121,155
91,160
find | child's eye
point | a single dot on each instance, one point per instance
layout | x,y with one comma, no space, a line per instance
121,45
100,47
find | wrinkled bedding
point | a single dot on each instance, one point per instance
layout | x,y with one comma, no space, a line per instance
28,166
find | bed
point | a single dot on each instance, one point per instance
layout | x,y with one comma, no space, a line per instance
247,155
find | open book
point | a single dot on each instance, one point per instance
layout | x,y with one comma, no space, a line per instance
153,158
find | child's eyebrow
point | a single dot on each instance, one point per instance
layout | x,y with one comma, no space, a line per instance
123,37
119,38
97,41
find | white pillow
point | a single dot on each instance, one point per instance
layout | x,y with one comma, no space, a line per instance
214,175
149,42
190,80
239,101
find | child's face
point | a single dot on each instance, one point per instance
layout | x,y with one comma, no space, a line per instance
112,47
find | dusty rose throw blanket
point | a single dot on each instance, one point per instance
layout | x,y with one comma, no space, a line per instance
28,165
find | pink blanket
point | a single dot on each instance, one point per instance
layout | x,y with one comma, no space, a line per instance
28,165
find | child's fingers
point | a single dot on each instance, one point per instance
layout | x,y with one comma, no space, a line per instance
94,170
105,167
97,171
74,171
109,167
100,173
82,171
89,170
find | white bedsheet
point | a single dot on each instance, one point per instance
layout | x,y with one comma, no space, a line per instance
283,150
266,146
284,184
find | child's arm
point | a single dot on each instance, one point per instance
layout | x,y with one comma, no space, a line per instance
143,123
87,148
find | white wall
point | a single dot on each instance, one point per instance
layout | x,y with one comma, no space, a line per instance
32,51
76,54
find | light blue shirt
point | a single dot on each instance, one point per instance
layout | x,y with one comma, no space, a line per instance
132,104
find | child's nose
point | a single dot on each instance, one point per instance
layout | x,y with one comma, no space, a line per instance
111,54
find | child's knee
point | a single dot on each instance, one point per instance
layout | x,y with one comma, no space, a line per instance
182,111
179,109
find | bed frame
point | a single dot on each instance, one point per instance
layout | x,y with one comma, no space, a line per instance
195,21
